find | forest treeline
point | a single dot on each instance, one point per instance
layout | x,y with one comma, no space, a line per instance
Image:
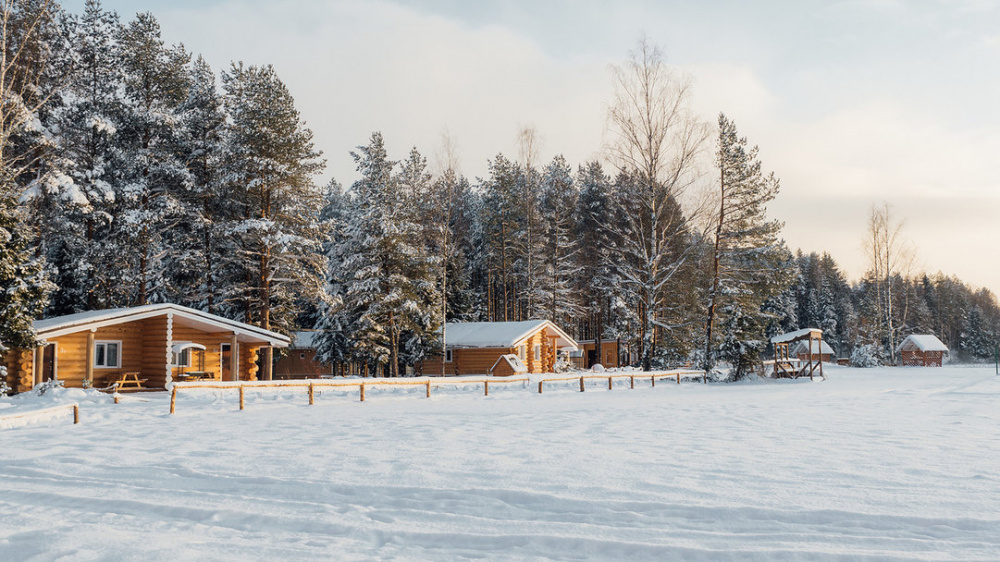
133,173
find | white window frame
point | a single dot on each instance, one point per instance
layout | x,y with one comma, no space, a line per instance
449,355
182,359
104,344
538,352
522,352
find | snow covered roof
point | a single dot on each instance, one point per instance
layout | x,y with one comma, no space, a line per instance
304,340
72,323
803,347
797,335
501,334
515,363
922,342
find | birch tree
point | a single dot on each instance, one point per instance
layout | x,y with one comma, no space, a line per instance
24,285
654,141
889,253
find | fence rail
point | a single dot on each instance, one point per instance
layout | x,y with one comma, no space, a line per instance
428,383
5,420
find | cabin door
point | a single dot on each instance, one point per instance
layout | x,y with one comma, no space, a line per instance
49,363
592,358
225,353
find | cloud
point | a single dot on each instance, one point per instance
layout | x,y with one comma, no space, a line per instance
828,125
358,67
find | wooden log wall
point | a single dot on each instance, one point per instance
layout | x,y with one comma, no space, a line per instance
20,369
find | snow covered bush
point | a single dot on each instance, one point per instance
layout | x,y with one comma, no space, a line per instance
562,364
597,368
47,386
867,356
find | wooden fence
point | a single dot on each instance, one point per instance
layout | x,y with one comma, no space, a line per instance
41,412
312,385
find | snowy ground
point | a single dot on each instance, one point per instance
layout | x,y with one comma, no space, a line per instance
880,464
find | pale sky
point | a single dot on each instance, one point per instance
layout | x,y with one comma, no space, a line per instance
851,102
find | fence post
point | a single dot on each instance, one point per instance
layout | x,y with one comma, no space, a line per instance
76,413
362,392
609,383
540,386
311,392
173,399
652,380
428,388
241,396
631,381
116,397
486,388
581,384
678,378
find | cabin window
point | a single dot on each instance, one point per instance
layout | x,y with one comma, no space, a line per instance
538,352
183,359
448,356
107,354
522,352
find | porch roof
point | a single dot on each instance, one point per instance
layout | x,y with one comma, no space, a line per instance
797,335
72,323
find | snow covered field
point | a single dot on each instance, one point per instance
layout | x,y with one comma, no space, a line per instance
879,464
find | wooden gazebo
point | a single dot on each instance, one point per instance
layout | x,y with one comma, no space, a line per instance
785,365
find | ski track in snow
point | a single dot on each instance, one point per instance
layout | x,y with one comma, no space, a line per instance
882,464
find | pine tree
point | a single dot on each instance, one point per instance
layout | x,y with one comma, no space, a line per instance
747,256
385,279
75,201
24,285
333,346
595,281
201,250
559,206
269,162
502,223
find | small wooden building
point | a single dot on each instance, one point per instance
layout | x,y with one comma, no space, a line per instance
820,349
922,350
300,360
608,356
156,343
508,365
473,348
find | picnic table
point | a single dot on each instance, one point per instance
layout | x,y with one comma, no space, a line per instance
126,380
195,376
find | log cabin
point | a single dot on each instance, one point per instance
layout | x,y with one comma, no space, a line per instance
609,356
921,350
820,349
158,343
300,361
473,348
